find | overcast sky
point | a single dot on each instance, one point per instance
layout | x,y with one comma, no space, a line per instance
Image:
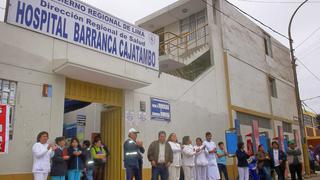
275,14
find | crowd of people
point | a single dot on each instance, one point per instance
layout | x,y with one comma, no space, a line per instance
170,159
86,162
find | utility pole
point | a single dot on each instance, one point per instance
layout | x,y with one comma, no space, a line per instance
299,106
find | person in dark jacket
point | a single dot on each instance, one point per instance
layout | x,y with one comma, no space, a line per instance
76,161
133,150
59,166
278,160
88,172
161,156
243,166
294,160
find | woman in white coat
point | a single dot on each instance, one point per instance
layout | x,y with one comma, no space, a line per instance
188,154
201,160
42,152
174,168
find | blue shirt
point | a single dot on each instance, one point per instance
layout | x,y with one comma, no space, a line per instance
223,159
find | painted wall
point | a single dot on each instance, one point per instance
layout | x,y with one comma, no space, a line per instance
25,60
250,67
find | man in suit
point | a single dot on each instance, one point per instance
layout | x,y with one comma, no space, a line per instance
278,160
161,156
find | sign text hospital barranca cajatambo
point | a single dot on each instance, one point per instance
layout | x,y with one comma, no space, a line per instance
79,23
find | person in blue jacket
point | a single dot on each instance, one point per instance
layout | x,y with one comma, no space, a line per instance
278,160
243,166
133,151
76,160
59,166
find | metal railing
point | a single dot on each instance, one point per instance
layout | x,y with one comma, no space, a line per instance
180,46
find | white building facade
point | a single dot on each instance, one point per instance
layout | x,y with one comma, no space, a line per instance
213,69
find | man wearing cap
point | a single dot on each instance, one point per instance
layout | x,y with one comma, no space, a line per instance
133,151
294,161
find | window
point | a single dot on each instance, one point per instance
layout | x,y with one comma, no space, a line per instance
287,127
191,23
246,119
307,120
268,45
273,87
8,97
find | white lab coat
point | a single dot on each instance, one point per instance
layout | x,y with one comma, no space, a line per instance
174,168
213,170
201,162
188,154
41,158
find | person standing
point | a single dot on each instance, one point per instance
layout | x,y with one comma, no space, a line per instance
88,172
133,150
188,154
201,161
312,159
278,160
76,160
99,155
161,156
243,166
222,160
213,170
294,161
59,166
263,163
42,152
174,168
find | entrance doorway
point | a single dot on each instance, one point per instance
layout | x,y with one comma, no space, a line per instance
107,104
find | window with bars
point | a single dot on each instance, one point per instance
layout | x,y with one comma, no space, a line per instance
191,23
8,90
287,127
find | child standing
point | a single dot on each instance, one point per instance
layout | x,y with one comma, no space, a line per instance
201,160
59,166
76,161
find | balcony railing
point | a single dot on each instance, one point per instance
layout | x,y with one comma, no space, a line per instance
180,46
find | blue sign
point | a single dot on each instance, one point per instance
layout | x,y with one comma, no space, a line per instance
79,23
231,141
160,109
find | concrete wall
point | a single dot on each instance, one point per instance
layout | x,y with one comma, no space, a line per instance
250,67
194,108
25,60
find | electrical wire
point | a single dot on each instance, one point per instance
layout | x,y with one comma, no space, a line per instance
234,20
257,20
308,99
308,70
307,38
309,107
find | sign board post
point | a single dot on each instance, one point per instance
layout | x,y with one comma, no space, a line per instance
4,128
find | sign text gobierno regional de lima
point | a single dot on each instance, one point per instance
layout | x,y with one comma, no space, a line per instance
79,23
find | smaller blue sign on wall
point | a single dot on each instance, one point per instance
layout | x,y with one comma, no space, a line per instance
160,109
